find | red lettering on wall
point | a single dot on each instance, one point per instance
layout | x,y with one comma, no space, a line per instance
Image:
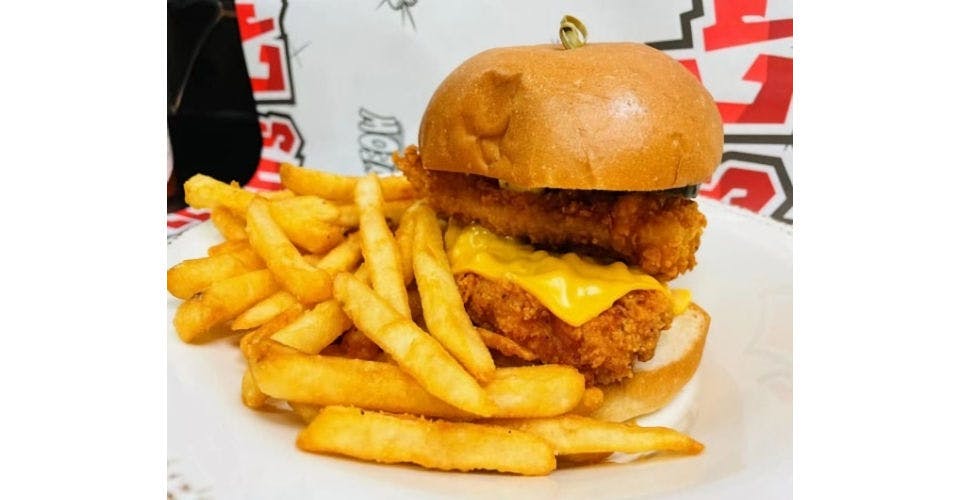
250,27
750,189
691,64
731,30
274,131
270,56
775,74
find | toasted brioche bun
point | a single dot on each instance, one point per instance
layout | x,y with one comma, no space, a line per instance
606,116
656,382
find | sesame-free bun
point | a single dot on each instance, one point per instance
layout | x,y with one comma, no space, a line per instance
658,381
606,116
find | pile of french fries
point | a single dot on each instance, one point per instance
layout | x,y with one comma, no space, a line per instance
360,330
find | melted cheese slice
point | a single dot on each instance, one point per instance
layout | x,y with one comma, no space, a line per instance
574,289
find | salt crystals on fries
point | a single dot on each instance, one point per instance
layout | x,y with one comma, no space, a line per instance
320,288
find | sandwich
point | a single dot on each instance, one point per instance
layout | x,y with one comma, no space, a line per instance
568,178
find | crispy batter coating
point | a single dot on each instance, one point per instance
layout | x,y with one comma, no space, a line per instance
603,349
658,232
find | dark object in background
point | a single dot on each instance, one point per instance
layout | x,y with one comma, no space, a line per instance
211,114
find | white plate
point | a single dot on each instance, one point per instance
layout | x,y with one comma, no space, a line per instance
743,410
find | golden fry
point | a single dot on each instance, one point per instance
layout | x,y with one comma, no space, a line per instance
229,246
344,257
201,191
309,284
264,311
354,344
283,194
194,275
229,224
414,350
592,399
221,302
574,434
392,210
445,316
404,237
335,187
541,391
257,344
436,445
315,329
380,250
328,380
250,393
307,221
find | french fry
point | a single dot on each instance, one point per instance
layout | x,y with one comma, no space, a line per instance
541,390
230,225
428,238
354,344
282,194
328,380
505,345
363,274
592,399
436,445
257,344
250,393
444,314
334,187
221,302
380,250
574,434
393,211
194,275
307,221
201,191
404,237
414,350
264,311
343,257
229,246
315,329
309,284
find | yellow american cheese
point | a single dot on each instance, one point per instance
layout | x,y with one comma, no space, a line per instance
573,288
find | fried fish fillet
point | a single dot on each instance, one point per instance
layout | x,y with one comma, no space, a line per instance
656,231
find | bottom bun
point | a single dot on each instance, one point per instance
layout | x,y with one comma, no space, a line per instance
657,382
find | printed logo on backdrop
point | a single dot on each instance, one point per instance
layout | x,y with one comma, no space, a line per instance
736,47
265,49
282,143
756,182
380,137
403,7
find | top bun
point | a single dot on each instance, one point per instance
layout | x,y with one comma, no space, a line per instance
606,116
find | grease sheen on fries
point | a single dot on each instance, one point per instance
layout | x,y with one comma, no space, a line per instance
414,350
432,444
